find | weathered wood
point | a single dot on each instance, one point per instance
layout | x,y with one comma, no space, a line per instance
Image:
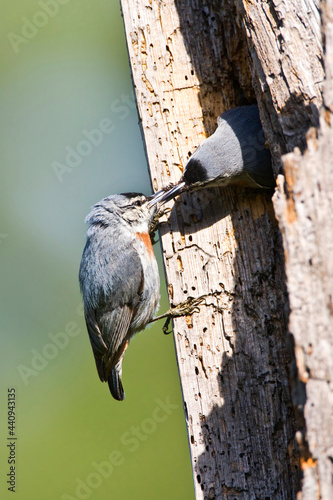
288,76
284,41
189,63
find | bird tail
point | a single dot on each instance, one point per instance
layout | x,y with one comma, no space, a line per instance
167,193
114,381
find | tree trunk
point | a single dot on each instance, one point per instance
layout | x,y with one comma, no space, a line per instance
191,61
303,205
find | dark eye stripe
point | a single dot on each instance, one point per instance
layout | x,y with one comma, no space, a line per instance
137,203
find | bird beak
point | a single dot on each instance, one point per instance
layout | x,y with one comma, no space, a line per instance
154,199
166,195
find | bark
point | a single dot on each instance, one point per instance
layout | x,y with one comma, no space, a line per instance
291,96
284,41
189,63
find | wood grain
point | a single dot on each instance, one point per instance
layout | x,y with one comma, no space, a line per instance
190,62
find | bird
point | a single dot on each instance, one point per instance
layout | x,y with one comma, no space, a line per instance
119,280
235,154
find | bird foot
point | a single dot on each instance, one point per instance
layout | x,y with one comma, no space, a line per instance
186,308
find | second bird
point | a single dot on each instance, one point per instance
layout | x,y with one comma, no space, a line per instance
234,155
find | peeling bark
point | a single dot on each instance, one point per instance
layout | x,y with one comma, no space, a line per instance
284,40
289,86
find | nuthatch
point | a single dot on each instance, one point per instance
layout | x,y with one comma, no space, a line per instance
235,154
119,280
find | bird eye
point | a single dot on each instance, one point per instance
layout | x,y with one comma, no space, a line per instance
138,203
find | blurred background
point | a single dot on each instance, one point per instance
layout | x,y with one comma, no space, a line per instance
70,136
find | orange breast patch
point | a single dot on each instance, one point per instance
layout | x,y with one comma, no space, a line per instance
145,238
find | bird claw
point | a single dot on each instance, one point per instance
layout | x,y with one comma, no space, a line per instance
186,308
166,326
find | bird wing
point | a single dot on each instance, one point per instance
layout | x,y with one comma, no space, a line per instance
108,336
111,279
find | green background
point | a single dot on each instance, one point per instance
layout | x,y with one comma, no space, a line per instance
60,78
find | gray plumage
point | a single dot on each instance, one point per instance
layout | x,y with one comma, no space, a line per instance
234,154
119,280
